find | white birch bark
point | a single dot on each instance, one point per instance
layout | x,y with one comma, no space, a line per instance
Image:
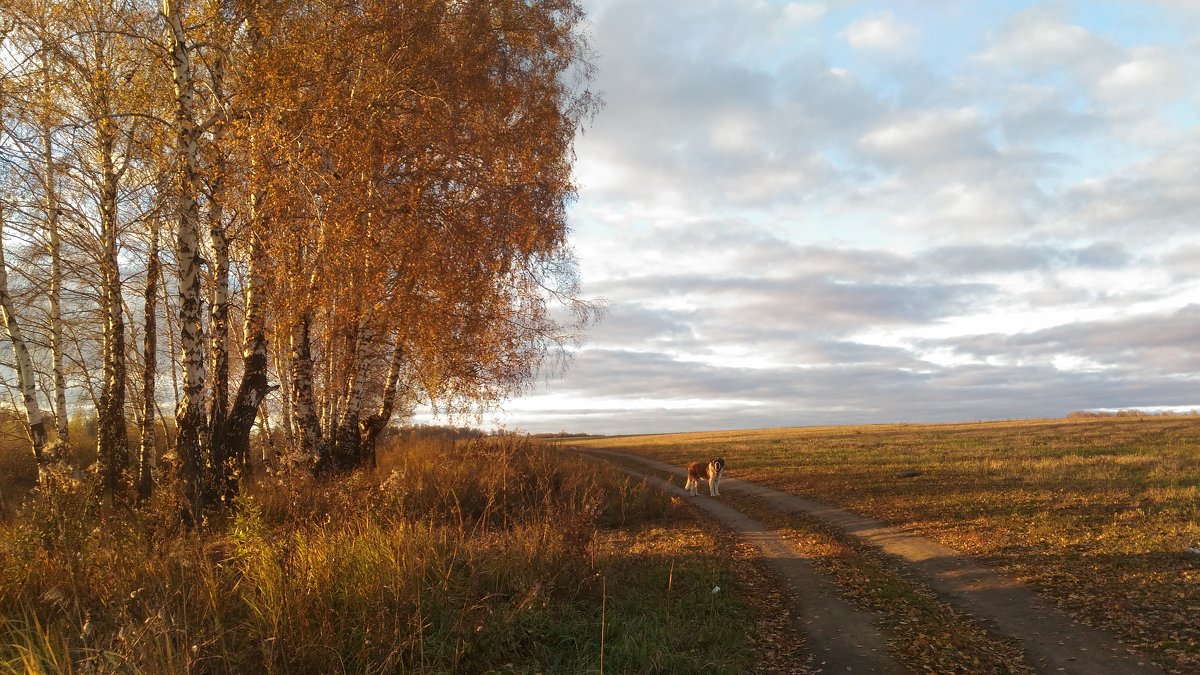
282,369
378,421
146,451
254,386
219,321
112,441
54,250
309,440
25,375
331,395
218,324
218,329
190,416
348,438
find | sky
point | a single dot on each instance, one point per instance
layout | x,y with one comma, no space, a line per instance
838,212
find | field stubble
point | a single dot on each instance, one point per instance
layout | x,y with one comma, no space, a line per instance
1097,514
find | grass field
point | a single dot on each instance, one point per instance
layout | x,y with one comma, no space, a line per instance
492,555
1095,513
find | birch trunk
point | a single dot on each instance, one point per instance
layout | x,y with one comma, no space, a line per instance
169,314
377,422
254,386
112,438
146,452
54,250
268,446
309,440
283,370
190,416
218,405
218,399
25,376
330,394
348,437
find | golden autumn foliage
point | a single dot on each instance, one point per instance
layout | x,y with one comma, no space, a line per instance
369,198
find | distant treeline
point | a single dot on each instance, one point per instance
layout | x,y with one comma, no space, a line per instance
565,434
1132,412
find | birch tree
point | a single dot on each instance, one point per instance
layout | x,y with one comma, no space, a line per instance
147,447
460,171
48,119
34,419
191,417
28,118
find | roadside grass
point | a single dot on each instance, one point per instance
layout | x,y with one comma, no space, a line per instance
1096,514
665,617
494,555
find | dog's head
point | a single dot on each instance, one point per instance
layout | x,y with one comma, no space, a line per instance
718,465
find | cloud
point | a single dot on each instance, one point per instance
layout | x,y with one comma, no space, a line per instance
727,349
801,299
1121,86
1153,198
636,326
929,140
972,260
1040,40
690,116
1147,72
880,32
1157,343
804,12
1031,114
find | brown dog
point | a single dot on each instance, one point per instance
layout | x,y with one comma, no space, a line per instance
710,472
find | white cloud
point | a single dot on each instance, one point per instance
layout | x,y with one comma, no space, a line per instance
804,12
881,32
1149,75
1149,200
702,124
928,136
1040,40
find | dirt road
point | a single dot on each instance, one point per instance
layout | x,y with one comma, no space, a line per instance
843,638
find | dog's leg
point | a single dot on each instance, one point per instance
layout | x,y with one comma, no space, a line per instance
716,485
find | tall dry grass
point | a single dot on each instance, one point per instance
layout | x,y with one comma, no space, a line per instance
451,557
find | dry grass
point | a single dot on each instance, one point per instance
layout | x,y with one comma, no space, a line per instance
1096,513
494,554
